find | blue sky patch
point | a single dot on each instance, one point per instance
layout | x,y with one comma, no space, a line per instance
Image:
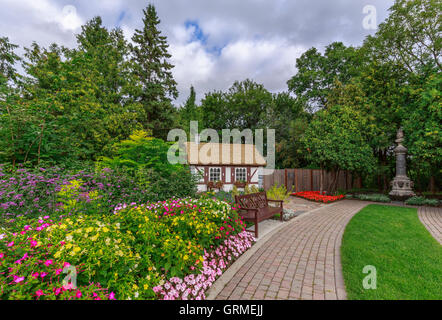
198,34
120,18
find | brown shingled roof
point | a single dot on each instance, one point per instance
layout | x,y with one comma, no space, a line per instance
217,154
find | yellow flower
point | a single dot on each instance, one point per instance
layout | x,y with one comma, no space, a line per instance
105,229
146,287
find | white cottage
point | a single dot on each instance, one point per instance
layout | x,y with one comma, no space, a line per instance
226,164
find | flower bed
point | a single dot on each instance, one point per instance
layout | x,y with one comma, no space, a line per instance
134,253
317,196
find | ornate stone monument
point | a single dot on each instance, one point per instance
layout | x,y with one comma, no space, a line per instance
401,184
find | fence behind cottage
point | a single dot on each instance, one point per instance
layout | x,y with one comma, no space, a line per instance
308,179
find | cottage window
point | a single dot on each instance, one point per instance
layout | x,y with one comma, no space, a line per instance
215,174
241,174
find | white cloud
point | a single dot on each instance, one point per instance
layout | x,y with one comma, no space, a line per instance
253,39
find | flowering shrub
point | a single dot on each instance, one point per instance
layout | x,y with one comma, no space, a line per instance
194,286
124,255
53,192
177,231
28,269
316,196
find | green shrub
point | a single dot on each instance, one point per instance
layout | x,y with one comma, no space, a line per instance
161,186
140,152
373,197
421,201
278,193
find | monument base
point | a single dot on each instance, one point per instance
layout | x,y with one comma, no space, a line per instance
402,188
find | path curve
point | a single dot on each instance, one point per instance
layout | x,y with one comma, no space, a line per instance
300,261
431,218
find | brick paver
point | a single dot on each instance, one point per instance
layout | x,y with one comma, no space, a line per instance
431,218
301,261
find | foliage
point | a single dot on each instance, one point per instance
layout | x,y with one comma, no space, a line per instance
421,201
370,197
410,36
51,191
278,193
423,126
336,140
140,152
407,258
318,73
155,85
243,106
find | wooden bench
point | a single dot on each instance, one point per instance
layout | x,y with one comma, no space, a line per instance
255,208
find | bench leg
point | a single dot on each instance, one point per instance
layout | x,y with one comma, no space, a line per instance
256,227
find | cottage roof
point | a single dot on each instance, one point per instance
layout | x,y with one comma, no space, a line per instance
224,154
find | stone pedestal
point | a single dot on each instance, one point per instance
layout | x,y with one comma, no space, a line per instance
402,186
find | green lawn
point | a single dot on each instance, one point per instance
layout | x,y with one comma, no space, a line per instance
407,258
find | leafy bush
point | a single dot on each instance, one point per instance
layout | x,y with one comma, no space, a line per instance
180,183
32,193
141,152
278,193
373,197
224,196
421,201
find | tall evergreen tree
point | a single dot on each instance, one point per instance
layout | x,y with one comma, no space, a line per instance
189,111
156,83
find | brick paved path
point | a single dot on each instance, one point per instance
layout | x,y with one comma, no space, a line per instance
431,218
301,261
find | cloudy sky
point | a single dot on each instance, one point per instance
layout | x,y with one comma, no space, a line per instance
212,42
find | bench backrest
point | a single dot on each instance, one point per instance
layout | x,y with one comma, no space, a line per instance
252,201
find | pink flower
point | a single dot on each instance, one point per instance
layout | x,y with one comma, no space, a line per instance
33,243
43,274
112,296
78,294
39,293
18,279
57,291
67,286
35,275
1,255
10,244
48,262
58,271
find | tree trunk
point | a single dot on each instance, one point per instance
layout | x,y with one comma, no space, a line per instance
321,181
334,183
432,185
